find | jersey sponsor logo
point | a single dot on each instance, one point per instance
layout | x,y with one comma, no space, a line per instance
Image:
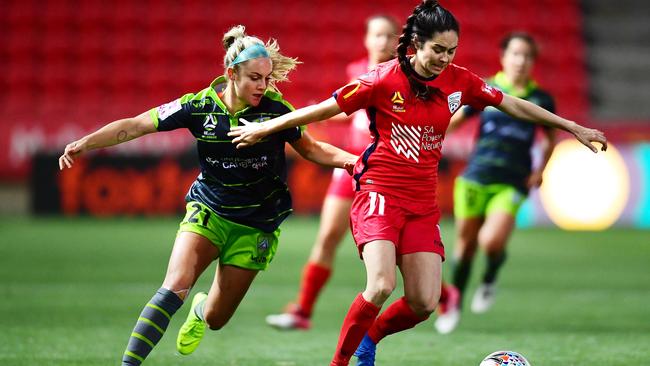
431,140
453,100
256,163
168,109
209,124
263,246
405,140
410,140
398,102
489,89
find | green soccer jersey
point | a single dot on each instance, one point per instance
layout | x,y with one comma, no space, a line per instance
247,186
502,153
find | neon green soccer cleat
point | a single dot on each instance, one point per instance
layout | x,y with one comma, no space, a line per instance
192,331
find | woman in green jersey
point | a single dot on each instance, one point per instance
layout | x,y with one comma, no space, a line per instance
239,199
499,174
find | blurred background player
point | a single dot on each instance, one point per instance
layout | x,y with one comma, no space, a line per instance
394,214
380,43
239,199
496,181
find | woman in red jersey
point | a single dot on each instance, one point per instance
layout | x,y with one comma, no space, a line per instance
380,42
394,215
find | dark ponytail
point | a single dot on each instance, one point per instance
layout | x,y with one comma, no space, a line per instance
427,19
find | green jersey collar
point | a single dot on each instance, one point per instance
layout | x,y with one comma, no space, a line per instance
501,81
219,85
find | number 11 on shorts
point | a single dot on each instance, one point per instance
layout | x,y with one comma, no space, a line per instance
374,197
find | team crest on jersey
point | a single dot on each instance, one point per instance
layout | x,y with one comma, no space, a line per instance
398,102
453,100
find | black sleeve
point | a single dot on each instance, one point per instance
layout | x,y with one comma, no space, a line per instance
548,103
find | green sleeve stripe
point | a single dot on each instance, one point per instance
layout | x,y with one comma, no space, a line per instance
154,117
288,105
280,214
142,338
187,97
249,206
242,184
145,320
211,179
131,354
274,192
160,309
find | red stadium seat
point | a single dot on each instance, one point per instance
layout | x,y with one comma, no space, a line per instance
136,54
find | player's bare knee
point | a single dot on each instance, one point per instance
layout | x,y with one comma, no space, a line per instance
422,307
380,291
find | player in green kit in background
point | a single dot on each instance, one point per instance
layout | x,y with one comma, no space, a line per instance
235,206
497,179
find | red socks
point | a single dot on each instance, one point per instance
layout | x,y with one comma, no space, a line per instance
397,317
314,278
359,318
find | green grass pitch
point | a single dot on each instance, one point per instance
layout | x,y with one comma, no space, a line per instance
73,288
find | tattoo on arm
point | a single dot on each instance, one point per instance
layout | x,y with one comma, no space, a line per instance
122,136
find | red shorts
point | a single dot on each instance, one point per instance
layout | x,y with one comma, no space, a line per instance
342,184
412,226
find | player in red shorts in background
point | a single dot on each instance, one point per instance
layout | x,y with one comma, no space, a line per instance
394,216
380,42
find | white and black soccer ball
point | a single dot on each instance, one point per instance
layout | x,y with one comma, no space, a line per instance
504,358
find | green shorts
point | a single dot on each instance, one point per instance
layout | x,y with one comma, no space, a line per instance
473,199
239,245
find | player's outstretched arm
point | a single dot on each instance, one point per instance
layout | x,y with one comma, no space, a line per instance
113,133
250,133
527,111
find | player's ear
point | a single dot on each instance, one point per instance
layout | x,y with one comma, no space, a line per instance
415,41
231,73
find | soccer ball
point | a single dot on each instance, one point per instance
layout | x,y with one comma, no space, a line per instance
504,358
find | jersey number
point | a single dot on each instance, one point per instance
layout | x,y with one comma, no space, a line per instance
197,209
377,203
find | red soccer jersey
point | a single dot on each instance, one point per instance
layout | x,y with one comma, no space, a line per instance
408,132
